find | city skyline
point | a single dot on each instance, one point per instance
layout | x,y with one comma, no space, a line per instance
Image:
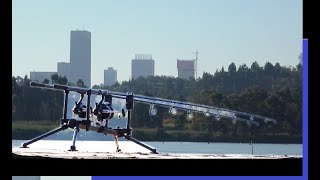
222,31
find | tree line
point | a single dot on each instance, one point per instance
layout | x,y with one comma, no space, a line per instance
271,90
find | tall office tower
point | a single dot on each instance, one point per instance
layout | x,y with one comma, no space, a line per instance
142,65
25,177
80,57
186,69
110,76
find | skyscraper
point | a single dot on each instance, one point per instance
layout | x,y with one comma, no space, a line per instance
142,65
80,57
110,76
185,69
64,69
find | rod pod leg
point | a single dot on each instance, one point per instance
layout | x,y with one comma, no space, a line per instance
61,128
75,133
117,144
154,151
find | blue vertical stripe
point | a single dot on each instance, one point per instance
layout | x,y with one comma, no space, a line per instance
305,108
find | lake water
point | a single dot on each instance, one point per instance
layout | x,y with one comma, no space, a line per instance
175,147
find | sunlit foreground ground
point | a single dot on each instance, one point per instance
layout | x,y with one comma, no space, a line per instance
107,150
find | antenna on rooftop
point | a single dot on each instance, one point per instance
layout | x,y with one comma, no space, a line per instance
196,62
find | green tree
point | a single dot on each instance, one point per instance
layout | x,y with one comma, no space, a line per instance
268,68
54,78
232,68
45,81
80,83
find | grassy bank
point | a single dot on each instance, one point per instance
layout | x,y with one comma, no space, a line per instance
30,129
199,136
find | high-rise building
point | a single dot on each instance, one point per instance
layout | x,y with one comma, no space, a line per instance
186,69
41,76
80,57
64,69
142,65
110,76
25,177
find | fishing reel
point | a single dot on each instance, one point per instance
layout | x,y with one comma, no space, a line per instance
80,109
103,109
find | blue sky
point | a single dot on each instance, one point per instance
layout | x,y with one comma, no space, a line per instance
223,31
